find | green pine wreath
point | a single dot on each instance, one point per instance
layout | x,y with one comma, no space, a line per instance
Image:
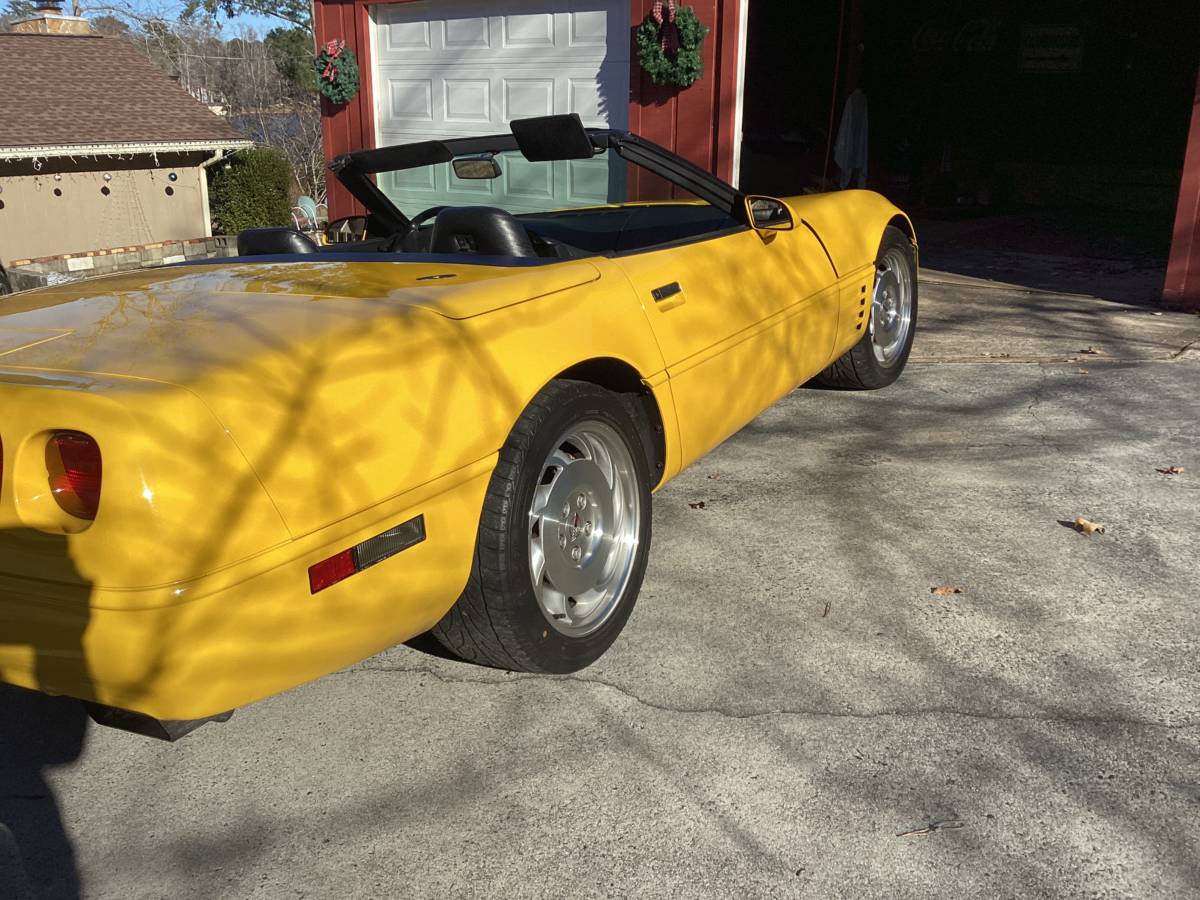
337,72
687,67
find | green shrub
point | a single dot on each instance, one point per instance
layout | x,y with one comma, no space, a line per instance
253,191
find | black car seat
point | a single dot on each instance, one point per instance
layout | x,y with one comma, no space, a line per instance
480,229
263,241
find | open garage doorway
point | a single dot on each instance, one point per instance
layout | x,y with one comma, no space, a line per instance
1052,127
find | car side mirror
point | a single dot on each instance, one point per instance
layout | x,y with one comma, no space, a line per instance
768,214
346,230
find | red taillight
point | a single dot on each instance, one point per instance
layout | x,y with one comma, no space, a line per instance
73,463
330,571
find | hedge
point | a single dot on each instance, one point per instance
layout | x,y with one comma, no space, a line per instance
253,191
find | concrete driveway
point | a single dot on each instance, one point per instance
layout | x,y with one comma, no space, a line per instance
790,710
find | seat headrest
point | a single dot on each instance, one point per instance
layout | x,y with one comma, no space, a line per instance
484,230
264,241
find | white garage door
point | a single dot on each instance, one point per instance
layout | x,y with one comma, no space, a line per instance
453,68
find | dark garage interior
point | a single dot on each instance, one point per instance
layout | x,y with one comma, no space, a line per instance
1056,127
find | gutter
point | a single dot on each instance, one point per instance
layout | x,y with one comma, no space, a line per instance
49,151
216,158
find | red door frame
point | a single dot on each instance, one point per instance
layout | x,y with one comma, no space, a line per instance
1182,288
698,123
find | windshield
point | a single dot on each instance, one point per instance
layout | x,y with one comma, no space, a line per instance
521,187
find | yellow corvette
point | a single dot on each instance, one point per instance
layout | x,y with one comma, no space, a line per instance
220,480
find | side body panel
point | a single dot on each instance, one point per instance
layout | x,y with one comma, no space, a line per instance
850,226
741,320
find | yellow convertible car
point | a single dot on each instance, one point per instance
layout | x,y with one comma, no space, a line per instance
221,480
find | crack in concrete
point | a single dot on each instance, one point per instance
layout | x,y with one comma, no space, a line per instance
1186,347
737,715
1039,396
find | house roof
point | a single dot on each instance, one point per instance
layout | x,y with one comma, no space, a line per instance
88,94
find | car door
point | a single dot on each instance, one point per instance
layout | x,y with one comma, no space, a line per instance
741,317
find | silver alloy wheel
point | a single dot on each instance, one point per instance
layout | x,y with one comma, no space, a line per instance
584,527
891,306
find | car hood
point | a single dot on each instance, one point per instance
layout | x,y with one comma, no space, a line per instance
173,324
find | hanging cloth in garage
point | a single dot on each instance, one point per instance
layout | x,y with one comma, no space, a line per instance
850,150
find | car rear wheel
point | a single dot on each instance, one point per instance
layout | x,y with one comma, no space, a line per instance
5,285
878,359
564,536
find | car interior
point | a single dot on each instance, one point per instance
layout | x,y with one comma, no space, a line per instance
492,232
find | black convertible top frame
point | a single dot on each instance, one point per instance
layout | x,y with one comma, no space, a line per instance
354,169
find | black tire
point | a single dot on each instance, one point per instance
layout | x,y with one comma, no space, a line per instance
498,621
5,286
859,369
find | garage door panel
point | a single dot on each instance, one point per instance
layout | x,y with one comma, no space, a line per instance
406,37
467,33
529,30
525,98
590,27
468,101
410,100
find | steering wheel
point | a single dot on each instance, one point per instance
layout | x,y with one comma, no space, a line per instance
413,225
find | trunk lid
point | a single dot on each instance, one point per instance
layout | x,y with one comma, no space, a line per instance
342,384
173,324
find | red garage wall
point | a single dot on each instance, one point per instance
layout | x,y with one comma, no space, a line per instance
350,126
1182,289
697,123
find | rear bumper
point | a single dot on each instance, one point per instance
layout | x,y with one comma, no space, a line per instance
199,648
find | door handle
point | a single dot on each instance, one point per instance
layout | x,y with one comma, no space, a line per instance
668,296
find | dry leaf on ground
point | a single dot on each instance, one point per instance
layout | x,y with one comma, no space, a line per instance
1093,351
1081,371
1171,470
932,827
699,504
944,590
1087,527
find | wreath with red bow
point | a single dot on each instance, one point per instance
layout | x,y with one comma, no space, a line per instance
669,42
337,72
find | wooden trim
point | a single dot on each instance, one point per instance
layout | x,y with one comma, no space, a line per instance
367,72
727,77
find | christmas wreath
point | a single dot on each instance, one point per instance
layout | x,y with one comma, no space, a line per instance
669,43
337,72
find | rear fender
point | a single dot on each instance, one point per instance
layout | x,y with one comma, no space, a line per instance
178,499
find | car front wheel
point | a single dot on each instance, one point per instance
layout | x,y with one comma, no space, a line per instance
564,536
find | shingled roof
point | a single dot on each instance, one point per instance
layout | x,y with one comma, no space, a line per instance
62,92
